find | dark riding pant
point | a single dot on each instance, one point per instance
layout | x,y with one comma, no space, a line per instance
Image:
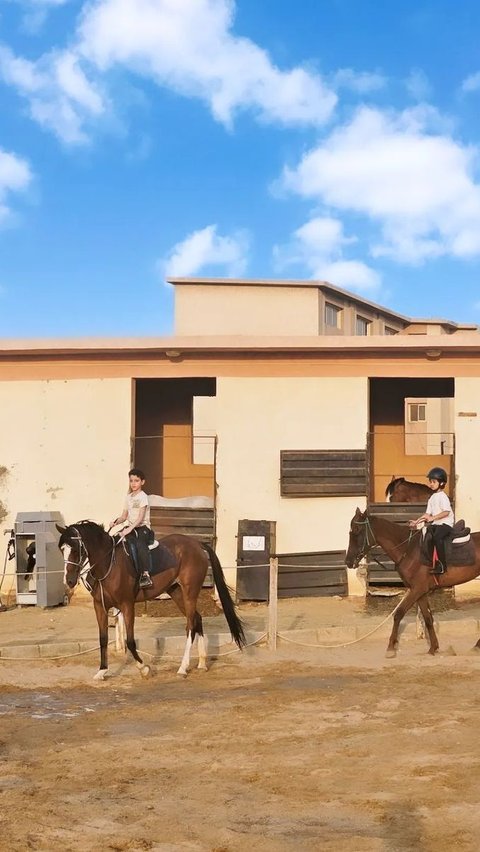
439,533
138,541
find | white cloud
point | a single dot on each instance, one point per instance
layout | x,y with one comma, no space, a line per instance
59,95
35,12
188,46
414,184
361,82
471,83
418,85
319,246
206,248
15,176
351,274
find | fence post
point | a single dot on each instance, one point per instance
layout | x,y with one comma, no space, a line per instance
272,604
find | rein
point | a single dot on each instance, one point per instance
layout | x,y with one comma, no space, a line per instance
370,542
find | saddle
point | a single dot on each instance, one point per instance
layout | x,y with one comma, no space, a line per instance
161,558
459,547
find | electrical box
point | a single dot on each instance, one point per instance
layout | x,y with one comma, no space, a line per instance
255,544
39,562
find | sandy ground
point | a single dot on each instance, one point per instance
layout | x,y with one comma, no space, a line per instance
305,750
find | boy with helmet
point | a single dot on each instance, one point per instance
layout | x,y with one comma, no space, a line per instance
439,515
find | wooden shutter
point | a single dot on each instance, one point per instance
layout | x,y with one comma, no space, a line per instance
322,473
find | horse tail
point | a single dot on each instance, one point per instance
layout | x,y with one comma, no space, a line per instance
392,485
233,621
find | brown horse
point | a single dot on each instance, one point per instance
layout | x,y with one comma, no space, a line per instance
106,569
403,547
400,490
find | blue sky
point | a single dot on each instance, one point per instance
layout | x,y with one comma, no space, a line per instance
326,139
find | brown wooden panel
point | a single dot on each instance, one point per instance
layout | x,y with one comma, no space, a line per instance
315,574
197,523
311,473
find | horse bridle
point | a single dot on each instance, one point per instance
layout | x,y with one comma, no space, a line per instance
84,568
368,545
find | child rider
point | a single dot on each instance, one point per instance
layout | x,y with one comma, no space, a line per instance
439,515
137,512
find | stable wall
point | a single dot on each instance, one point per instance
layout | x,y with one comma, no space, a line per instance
256,418
66,447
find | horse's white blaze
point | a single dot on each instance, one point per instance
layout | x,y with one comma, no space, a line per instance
185,664
66,550
202,652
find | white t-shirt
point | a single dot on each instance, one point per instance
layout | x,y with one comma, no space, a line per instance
437,503
133,503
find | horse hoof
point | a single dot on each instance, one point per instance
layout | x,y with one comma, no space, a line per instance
390,653
101,674
202,668
145,671
182,673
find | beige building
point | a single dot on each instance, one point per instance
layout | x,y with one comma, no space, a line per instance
256,402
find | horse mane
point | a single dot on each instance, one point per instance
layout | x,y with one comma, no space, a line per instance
97,531
391,485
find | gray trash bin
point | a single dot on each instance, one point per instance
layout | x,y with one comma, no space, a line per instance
39,562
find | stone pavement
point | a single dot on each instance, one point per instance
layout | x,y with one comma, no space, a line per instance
32,633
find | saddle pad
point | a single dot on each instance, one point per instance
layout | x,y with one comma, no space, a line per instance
457,554
162,559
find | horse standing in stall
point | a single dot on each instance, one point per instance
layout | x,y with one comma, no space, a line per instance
400,490
107,571
403,548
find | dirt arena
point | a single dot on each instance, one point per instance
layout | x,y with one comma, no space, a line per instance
305,750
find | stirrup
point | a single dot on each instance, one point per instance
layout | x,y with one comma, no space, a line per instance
438,568
145,580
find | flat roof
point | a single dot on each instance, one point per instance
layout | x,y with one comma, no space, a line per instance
175,346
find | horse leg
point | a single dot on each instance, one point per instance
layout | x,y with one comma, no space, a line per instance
128,613
102,621
176,595
429,624
403,607
194,627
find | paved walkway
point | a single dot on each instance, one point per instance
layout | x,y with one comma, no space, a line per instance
34,633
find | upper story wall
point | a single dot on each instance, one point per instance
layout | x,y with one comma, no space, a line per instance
245,309
277,308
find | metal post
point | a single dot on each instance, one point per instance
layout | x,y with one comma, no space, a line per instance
273,604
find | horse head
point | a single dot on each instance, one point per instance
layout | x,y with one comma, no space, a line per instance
358,543
75,543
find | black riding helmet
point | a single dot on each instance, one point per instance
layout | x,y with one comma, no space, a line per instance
439,474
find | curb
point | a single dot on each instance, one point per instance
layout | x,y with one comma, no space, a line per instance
221,643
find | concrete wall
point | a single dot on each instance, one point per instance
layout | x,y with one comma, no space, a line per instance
467,460
235,309
66,447
256,418
467,455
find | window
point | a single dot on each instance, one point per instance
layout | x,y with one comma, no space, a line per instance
389,330
417,412
362,326
332,315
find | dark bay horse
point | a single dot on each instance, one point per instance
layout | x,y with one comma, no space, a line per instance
402,545
106,569
400,490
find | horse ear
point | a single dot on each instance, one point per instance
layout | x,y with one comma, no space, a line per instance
61,530
357,513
